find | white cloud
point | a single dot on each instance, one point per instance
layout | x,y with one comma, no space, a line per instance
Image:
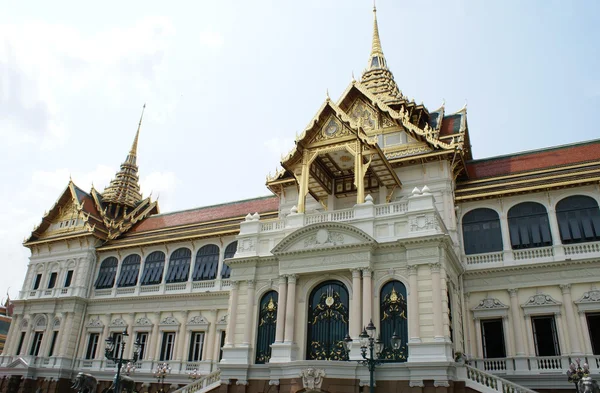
279,146
162,185
211,39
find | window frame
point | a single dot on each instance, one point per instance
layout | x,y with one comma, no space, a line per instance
206,265
92,346
179,266
529,229
488,240
196,347
167,346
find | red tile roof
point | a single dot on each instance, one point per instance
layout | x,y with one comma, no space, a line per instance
534,160
450,125
208,213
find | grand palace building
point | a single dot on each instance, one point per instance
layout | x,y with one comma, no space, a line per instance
487,270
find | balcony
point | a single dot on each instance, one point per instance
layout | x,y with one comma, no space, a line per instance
146,366
535,365
556,253
414,217
53,293
165,288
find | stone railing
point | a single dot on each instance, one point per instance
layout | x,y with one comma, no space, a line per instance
53,292
159,289
202,384
556,253
533,365
333,216
488,383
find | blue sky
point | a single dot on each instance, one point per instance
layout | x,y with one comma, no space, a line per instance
229,83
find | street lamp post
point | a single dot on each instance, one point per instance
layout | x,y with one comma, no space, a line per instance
111,352
576,372
374,346
161,372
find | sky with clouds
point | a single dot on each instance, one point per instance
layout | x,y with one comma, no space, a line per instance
228,84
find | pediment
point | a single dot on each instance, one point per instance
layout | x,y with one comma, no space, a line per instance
18,363
323,236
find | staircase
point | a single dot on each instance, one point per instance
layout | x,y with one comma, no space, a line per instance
487,383
203,384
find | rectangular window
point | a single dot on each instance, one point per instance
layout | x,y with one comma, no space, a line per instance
492,337
196,343
38,280
222,345
53,343
118,340
593,321
52,281
69,278
21,341
92,346
142,338
545,336
37,343
166,349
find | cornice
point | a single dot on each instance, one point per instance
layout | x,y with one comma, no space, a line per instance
487,271
146,299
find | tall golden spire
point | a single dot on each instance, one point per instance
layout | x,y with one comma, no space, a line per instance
124,189
377,78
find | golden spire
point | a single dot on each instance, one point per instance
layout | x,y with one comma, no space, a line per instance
377,78
124,189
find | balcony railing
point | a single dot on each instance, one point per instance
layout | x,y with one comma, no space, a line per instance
53,292
558,253
533,365
158,289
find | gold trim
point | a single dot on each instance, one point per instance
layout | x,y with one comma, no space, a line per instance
525,189
170,240
529,173
562,175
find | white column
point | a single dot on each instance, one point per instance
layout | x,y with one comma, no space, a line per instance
367,296
129,345
14,332
508,340
153,339
436,284
67,332
414,327
479,338
290,309
560,330
554,230
281,301
232,314
249,312
572,330
180,350
355,318
47,338
529,326
211,338
587,340
516,322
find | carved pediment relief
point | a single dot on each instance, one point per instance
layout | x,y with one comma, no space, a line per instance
169,321
490,308
589,301
323,236
333,128
119,322
365,115
18,363
95,323
541,304
490,303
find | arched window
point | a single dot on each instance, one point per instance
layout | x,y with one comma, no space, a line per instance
528,224
393,314
107,273
481,231
267,321
207,262
229,253
327,322
153,268
130,269
179,265
578,219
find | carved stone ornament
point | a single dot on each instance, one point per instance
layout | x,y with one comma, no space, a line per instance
424,223
119,322
223,320
56,323
312,378
323,237
198,320
95,323
246,245
592,296
169,321
541,300
41,322
143,321
489,304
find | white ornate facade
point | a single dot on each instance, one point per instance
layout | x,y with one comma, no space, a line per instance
379,213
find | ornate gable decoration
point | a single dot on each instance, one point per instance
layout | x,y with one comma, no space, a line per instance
541,304
589,301
169,321
490,307
198,321
366,116
333,128
143,321
322,236
119,322
95,323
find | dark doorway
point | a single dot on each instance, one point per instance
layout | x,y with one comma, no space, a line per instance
593,321
545,336
492,336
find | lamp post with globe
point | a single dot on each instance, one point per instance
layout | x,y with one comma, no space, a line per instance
370,349
114,351
161,372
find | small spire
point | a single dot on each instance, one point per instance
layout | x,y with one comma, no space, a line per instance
133,150
376,44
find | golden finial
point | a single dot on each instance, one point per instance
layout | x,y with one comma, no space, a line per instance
133,150
353,79
327,95
376,45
